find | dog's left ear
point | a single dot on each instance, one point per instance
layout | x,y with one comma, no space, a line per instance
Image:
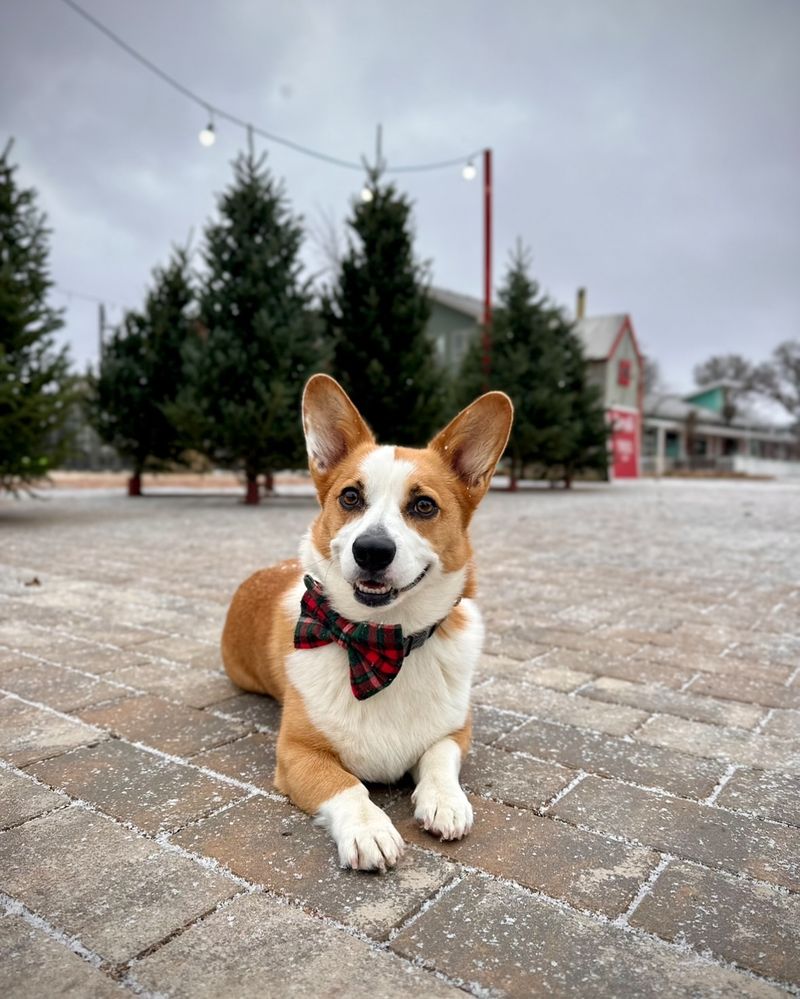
472,443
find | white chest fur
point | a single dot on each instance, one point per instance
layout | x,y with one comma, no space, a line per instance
379,739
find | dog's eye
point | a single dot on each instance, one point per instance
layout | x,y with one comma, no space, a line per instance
350,499
424,506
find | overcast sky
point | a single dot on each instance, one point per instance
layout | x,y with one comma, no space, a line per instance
647,150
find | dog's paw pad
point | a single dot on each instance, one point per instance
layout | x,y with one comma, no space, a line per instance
443,812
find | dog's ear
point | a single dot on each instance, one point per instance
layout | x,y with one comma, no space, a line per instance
332,425
472,443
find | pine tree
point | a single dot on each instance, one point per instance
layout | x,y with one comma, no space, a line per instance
377,314
260,340
585,445
35,387
538,361
141,373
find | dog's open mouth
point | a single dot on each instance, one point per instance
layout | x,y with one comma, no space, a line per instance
375,593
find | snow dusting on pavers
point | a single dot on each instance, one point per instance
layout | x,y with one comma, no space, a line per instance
634,775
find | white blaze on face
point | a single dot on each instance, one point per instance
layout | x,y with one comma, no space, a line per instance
386,482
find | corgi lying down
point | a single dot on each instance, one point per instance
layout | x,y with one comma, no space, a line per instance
370,639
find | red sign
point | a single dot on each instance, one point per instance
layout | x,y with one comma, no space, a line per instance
624,443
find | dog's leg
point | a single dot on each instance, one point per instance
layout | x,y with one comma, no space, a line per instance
310,773
440,804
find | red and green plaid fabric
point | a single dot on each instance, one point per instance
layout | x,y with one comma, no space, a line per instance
375,651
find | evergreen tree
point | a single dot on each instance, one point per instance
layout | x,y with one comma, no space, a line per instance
35,388
537,359
260,341
585,443
376,315
141,373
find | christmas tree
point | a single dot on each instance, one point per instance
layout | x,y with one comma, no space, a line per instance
536,358
260,341
35,387
141,372
376,315
585,444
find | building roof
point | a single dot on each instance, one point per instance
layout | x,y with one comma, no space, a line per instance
599,334
465,304
675,407
720,383
668,406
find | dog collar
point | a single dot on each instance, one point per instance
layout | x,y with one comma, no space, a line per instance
375,651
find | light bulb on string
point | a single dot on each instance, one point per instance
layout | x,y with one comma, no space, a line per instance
366,194
207,135
469,172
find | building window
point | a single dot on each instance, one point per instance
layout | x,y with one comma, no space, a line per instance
624,373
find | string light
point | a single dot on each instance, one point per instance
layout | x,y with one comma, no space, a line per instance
366,195
207,135
469,172
220,113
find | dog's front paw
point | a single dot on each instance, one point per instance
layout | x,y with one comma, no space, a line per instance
443,811
365,837
370,843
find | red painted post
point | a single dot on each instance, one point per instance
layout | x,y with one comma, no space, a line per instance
486,340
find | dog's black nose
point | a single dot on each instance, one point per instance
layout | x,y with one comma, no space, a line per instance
373,550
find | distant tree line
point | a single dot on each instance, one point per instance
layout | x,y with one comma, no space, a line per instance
209,371
776,379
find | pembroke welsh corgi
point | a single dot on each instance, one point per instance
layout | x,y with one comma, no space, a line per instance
370,639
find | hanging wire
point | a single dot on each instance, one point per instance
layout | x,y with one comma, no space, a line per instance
221,113
81,296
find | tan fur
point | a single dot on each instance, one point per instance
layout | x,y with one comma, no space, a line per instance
309,770
455,469
258,634
463,737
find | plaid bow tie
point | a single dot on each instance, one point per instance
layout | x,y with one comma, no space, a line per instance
375,651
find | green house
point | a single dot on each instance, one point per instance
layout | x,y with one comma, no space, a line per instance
454,323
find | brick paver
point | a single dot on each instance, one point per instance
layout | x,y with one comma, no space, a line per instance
196,688
24,799
117,892
634,773
765,793
271,844
586,870
654,698
698,832
31,963
257,947
652,766
522,946
135,786
753,925
28,732
173,728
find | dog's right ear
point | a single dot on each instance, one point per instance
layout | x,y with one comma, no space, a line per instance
332,425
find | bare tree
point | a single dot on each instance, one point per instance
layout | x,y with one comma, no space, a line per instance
779,378
725,367
652,375
731,368
327,240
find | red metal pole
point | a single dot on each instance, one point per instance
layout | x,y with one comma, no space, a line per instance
486,340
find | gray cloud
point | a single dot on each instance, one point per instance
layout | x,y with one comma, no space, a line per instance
647,150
